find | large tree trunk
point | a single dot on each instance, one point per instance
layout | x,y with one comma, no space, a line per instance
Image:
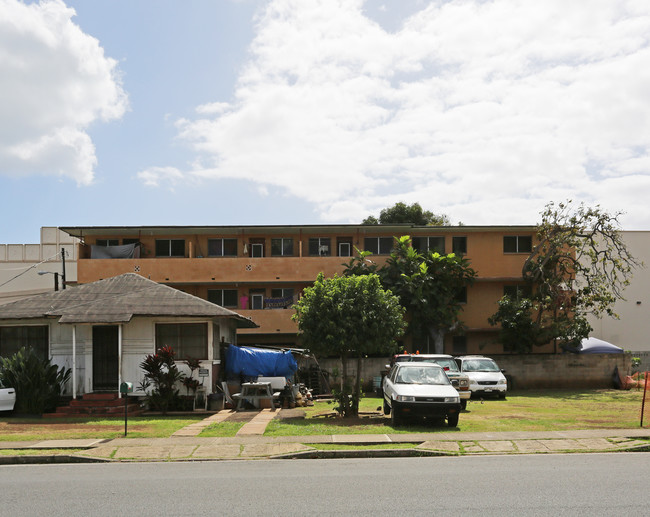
345,387
438,336
357,390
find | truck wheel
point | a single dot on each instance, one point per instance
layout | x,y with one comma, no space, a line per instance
463,404
502,395
452,420
386,408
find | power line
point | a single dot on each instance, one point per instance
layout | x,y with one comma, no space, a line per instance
30,267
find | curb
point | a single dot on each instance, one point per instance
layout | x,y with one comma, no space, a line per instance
376,453
44,460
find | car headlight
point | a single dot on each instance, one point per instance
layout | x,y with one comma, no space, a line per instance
464,382
503,381
452,400
405,398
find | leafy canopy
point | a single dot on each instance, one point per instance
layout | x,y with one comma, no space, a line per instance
580,266
349,317
429,285
402,213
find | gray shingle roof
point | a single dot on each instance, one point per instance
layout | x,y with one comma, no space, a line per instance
117,300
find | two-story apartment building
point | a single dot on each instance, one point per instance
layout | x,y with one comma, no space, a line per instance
261,270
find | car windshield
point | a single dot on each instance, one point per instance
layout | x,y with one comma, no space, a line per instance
480,365
447,364
421,376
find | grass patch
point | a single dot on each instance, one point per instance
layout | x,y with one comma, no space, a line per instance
18,429
221,429
543,410
38,452
522,411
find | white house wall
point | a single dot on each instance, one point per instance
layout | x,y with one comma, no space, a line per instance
138,341
632,331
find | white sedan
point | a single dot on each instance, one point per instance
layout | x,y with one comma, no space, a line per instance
420,390
7,398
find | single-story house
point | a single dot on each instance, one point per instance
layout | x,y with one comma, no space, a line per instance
103,330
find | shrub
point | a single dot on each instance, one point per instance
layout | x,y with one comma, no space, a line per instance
38,383
162,374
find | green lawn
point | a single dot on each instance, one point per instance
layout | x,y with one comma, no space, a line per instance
521,411
16,428
221,429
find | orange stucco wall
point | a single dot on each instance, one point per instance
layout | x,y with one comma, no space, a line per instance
195,273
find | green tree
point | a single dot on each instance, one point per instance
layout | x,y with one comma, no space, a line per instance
349,317
402,213
580,266
430,287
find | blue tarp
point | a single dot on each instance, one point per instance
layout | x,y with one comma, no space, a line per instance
252,362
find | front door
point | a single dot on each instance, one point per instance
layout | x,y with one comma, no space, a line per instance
105,358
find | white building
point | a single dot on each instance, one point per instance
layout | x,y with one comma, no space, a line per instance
632,331
21,263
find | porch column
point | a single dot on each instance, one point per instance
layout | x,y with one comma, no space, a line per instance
119,357
74,362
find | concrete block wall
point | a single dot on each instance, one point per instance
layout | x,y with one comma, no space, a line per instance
534,371
563,371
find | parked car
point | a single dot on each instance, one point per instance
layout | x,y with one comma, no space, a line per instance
459,380
420,390
484,374
7,398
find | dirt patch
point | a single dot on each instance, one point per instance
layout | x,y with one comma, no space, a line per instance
44,427
242,416
288,414
363,419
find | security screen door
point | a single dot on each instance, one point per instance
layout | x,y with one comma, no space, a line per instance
105,358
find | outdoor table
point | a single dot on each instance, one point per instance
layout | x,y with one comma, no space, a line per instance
255,391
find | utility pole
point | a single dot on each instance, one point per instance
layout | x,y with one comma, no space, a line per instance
63,263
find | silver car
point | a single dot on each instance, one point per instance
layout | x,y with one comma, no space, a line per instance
420,390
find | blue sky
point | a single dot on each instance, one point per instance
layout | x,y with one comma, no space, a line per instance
209,112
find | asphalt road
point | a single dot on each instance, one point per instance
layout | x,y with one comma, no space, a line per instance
575,484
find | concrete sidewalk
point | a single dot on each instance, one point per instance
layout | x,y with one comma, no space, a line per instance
250,443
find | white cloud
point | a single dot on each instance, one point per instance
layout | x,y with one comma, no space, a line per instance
161,176
56,81
481,110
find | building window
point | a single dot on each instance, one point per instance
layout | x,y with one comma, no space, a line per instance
281,298
429,244
223,297
379,245
222,247
36,337
461,297
130,241
257,301
170,247
107,242
187,339
459,345
281,247
459,245
344,246
320,247
516,292
517,244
